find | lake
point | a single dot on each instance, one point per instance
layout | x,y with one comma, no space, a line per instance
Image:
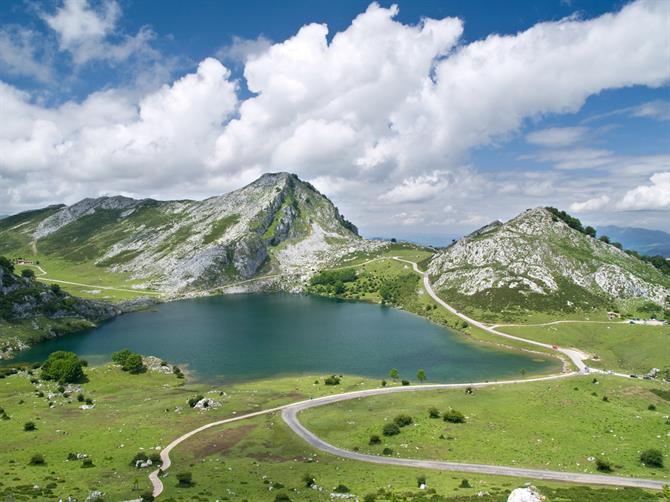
243,337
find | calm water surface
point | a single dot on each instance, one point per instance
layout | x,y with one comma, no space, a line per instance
242,337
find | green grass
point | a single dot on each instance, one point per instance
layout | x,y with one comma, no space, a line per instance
555,425
624,347
220,227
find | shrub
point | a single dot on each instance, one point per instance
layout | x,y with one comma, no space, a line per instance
651,407
341,489
603,465
29,426
80,397
405,382
433,412
87,463
27,273
453,416
421,480
64,367
387,451
133,364
606,399
282,497
120,356
375,439
383,383
652,458
37,459
465,484
88,401
184,479
147,496
194,400
391,429
332,380
72,456
155,458
370,497
403,420
309,480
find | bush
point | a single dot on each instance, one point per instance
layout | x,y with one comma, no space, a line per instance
383,383
27,273
375,439
421,480
652,458
120,356
333,277
194,400
282,497
87,463
309,480
465,484
391,429
72,456
332,380
37,459
80,397
433,412
184,479
139,457
604,465
403,420
29,426
405,382
133,364
147,496
64,367
453,416
341,489
387,451
651,407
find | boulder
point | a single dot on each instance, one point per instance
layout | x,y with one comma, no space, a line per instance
527,494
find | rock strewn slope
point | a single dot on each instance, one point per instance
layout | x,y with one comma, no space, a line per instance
538,262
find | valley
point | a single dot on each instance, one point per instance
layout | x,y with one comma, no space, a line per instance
318,310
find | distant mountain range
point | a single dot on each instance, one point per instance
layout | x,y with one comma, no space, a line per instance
642,240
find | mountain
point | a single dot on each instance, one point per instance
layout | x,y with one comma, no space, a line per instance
642,240
536,261
277,224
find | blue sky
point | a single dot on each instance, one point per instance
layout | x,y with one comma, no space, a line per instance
421,119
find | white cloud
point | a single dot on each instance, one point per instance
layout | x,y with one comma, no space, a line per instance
84,32
242,50
654,196
19,54
658,110
595,204
557,136
383,112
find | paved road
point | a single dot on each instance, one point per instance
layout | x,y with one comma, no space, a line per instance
576,356
290,416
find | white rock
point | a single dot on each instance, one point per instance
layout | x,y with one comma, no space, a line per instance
528,494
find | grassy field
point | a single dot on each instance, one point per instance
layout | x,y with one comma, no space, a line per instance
625,347
561,425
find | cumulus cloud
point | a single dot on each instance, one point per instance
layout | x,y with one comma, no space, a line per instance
382,108
594,204
241,50
84,32
654,196
21,54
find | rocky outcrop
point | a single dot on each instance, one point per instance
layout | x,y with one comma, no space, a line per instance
527,494
538,254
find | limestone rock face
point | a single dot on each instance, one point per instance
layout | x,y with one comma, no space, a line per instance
185,246
528,494
537,256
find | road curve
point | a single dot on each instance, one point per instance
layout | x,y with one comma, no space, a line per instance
574,355
290,416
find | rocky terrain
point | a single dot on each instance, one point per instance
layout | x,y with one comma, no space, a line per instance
536,261
276,225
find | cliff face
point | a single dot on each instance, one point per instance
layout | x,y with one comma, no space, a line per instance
537,261
277,224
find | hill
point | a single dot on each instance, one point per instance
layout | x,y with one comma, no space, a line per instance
31,311
642,240
276,225
541,262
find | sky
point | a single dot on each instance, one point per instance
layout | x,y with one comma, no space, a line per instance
421,120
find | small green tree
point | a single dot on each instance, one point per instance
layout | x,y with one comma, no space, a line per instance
64,367
590,231
27,273
120,356
394,374
421,376
133,364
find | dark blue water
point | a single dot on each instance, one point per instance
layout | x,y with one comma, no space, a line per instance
242,337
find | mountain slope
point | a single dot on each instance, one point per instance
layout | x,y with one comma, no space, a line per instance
642,240
537,262
277,224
